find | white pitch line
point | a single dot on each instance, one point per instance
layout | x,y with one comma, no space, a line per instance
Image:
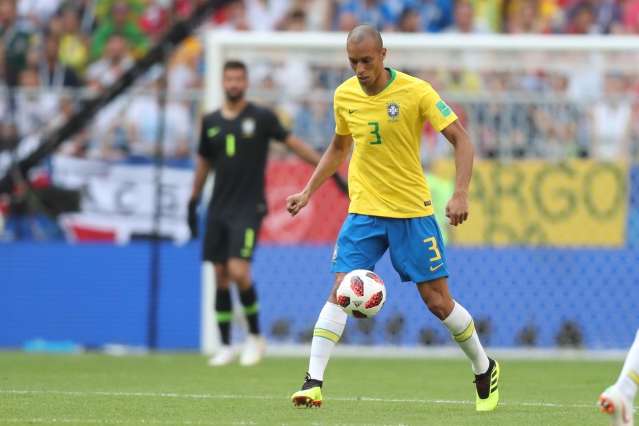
50,420
283,398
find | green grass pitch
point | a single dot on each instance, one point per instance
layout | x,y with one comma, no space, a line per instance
182,390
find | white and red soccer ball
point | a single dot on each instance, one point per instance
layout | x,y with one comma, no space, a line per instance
361,293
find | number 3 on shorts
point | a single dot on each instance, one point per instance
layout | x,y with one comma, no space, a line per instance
433,247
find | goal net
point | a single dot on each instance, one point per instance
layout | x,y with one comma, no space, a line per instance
549,256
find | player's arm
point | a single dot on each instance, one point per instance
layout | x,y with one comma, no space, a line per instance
308,154
457,207
333,157
202,169
302,150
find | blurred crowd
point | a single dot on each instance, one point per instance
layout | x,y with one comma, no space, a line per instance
55,52
435,16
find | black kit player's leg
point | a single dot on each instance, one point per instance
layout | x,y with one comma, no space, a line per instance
223,307
240,274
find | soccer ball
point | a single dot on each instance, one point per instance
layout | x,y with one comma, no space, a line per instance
361,293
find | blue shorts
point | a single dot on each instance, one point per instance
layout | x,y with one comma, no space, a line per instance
416,246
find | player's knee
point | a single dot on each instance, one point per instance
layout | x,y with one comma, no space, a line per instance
241,277
222,282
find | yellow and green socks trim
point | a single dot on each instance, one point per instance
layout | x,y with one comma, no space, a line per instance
466,334
326,334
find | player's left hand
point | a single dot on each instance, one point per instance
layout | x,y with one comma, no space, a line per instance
457,209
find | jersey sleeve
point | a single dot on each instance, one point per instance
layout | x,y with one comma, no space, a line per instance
275,128
435,111
205,149
341,126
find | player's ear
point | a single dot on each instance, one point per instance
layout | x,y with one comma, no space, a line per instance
383,51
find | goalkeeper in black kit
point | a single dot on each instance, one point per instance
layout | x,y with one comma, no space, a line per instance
234,143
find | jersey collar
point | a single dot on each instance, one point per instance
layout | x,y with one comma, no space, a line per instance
393,74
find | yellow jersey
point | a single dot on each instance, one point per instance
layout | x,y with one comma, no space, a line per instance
385,175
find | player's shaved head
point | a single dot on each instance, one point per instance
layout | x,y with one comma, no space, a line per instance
366,55
365,32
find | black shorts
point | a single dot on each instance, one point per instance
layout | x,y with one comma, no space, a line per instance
225,238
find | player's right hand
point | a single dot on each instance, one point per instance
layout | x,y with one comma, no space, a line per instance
192,216
296,202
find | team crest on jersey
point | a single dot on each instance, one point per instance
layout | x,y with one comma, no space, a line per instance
393,110
248,127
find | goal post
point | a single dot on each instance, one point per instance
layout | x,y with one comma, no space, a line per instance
505,92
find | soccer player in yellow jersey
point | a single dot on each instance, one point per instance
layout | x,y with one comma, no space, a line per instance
379,113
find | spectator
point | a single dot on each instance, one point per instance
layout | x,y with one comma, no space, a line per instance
183,70
409,21
556,123
487,15
594,17
74,52
380,14
53,73
608,16
631,16
318,13
582,21
503,127
34,108
610,118
234,17
461,81
524,18
15,39
436,15
108,133
464,20
123,23
37,12
142,134
115,61
102,9
54,27
266,15
155,19
86,10
295,21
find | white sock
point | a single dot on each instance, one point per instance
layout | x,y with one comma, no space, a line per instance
629,377
461,326
328,330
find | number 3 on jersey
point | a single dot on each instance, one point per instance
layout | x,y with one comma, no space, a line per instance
375,132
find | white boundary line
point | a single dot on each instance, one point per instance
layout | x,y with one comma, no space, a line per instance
448,352
284,398
84,421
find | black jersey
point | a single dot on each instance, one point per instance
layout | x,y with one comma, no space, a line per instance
237,150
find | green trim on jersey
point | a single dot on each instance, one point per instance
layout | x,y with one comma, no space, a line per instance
393,74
